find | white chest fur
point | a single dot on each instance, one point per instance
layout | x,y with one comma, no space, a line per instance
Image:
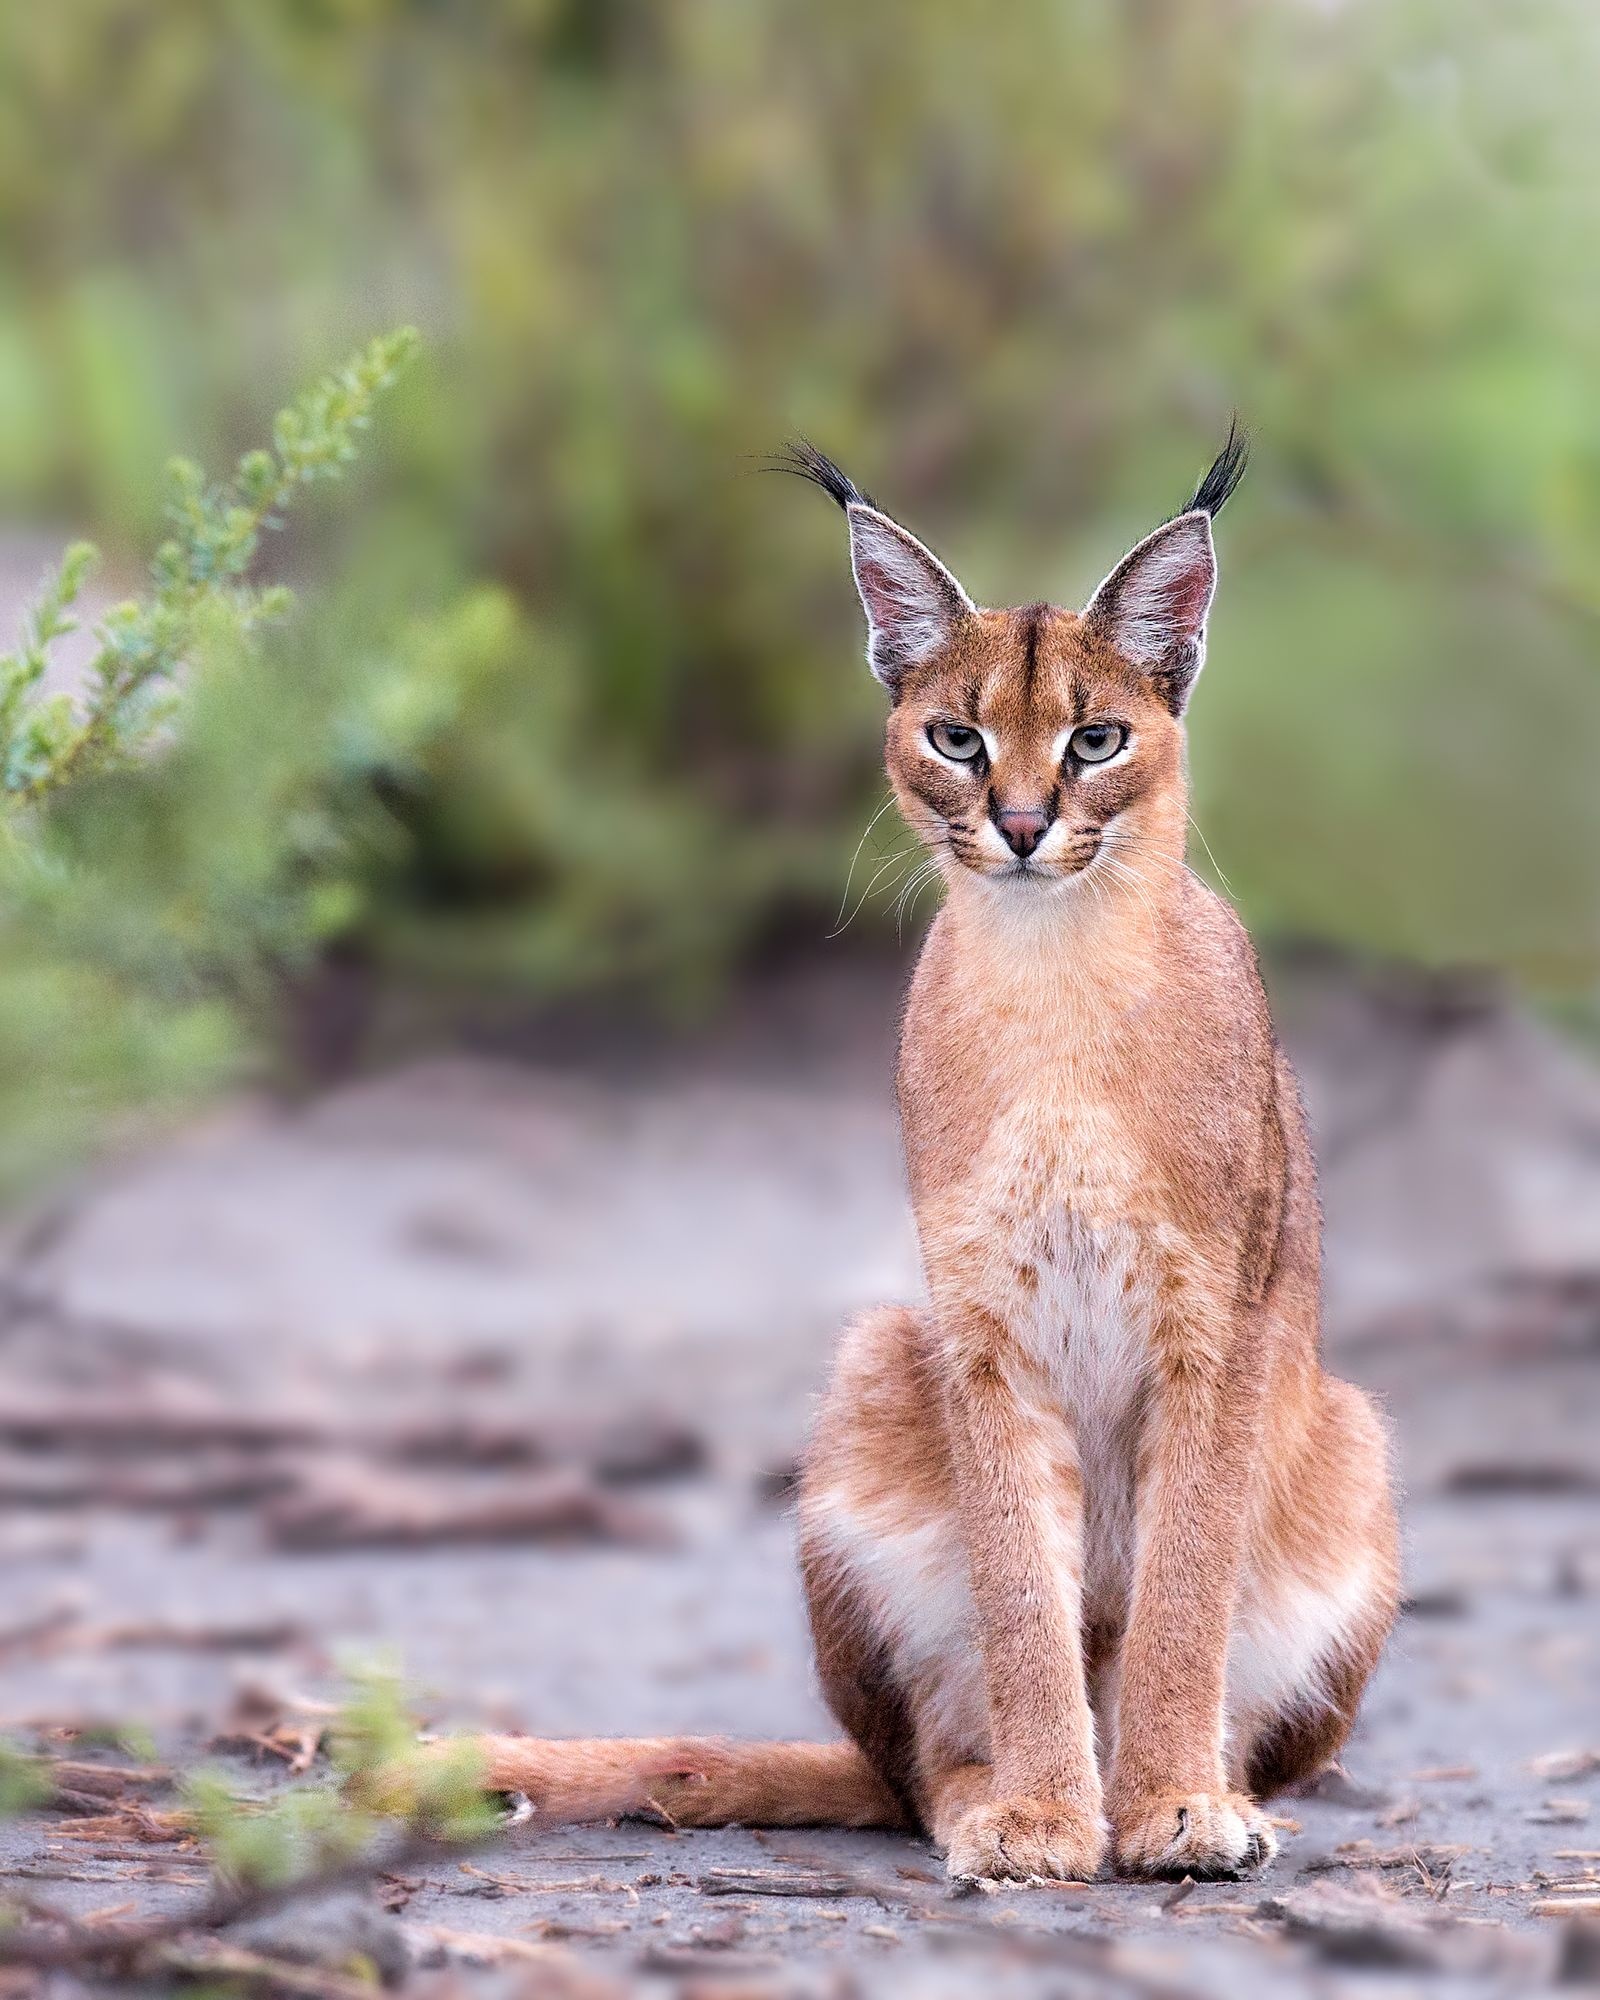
1053,1231
1087,1330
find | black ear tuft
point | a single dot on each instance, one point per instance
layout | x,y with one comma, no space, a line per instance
1227,469
804,460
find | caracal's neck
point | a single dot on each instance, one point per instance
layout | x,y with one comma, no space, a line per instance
1096,944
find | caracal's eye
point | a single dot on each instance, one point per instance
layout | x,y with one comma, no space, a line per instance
953,740
1096,741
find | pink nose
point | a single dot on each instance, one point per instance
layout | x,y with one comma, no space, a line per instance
1022,831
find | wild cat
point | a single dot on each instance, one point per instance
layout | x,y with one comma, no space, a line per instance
1096,1555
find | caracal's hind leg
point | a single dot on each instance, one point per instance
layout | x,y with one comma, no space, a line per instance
893,1618
1319,1598
951,1795
886,1576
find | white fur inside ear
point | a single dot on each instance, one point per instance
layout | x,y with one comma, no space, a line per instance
1154,603
911,600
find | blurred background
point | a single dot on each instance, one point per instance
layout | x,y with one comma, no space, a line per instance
447,1036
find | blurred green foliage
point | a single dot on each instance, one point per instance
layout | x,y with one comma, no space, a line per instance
390,1795
150,890
200,592
385,1781
24,1782
1012,268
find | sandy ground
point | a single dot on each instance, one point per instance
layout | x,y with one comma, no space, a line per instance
645,1268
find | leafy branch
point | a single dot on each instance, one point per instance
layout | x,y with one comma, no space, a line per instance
200,580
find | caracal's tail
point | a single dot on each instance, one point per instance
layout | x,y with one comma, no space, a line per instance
691,1780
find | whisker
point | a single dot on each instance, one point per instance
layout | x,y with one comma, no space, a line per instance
865,831
913,882
917,875
911,913
1136,881
901,855
1126,873
1206,844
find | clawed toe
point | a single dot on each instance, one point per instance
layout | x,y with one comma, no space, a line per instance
1024,1841
1211,1837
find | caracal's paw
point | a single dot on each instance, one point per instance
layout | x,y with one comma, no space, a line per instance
1213,1836
1026,1840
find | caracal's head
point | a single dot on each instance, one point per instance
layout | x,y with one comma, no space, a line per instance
1028,748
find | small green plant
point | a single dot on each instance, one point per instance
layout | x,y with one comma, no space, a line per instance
200,588
264,1845
24,1780
436,1787
395,1801
388,1784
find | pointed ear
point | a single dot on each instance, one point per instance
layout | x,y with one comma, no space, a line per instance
1152,607
913,603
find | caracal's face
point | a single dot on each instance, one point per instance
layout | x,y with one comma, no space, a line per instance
1031,749
1027,753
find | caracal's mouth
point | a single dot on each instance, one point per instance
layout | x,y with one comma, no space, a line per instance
1029,874
1051,874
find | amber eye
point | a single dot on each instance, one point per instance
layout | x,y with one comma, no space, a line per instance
1096,741
953,740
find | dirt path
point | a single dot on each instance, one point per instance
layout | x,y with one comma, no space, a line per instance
1493,1670
341,1321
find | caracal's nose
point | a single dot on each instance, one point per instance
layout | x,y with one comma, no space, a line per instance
1022,831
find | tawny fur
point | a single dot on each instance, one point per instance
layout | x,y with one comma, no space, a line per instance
1096,1554
691,1781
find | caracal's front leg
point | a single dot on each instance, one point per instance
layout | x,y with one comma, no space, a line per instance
1171,1810
1020,1496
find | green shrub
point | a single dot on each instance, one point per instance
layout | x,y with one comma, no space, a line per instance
156,881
